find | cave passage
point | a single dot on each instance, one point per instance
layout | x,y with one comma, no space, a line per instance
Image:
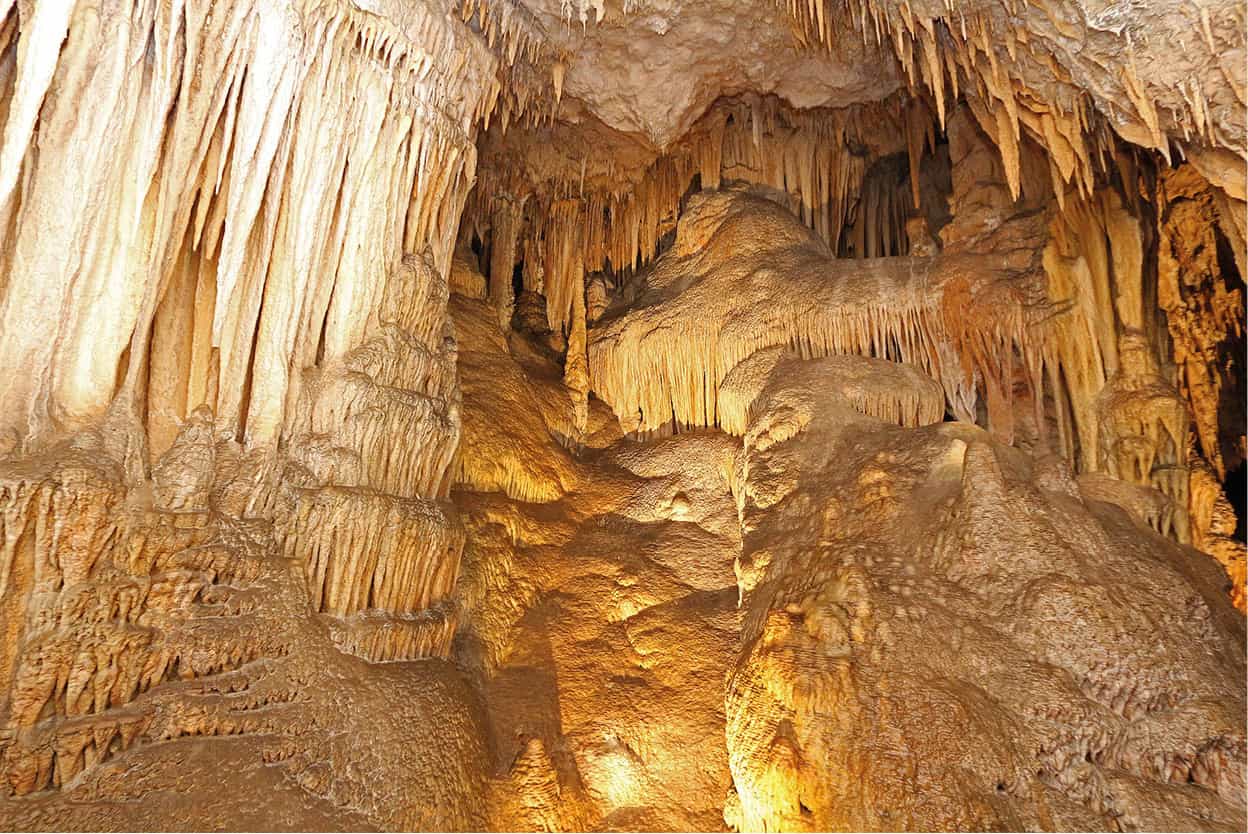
568,415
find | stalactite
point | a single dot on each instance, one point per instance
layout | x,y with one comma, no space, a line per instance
380,638
1205,315
615,221
365,551
876,224
506,220
1115,403
915,311
1144,431
987,56
375,440
229,210
235,392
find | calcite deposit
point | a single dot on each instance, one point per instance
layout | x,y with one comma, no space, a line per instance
623,415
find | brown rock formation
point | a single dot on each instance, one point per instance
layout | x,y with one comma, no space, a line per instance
622,415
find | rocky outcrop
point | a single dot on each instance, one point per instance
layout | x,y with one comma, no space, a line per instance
941,633
165,664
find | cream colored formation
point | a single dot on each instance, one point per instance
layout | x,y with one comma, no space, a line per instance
940,647
464,414
371,459
608,218
665,363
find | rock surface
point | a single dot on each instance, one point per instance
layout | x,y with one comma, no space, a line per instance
622,414
939,635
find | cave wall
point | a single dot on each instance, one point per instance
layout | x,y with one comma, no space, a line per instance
261,473
231,408
931,628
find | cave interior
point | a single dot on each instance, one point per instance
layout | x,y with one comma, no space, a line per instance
661,415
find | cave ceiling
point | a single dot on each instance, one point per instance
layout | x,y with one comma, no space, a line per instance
651,69
654,68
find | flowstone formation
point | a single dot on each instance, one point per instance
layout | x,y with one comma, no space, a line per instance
933,630
934,635
166,668
623,415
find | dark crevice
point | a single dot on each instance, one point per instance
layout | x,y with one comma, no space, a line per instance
1236,488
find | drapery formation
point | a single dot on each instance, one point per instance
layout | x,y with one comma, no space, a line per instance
211,192
886,386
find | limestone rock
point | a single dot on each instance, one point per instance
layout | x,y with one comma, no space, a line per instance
958,625
622,415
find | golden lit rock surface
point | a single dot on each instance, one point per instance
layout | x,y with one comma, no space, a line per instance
934,639
622,415
166,665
